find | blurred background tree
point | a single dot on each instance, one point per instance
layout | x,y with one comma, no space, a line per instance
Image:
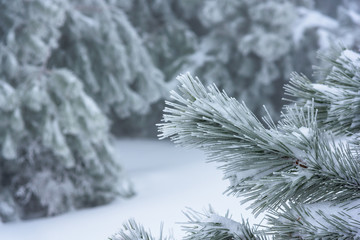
100,45
55,145
248,48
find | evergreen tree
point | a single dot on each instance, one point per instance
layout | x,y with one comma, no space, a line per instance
55,147
101,46
248,48
303,172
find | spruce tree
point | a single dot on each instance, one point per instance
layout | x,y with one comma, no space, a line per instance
101,46
54,139
302,172
248,48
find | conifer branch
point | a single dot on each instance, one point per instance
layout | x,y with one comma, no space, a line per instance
226,129
335,94
306,161
314,222
268,166
210,225
133,231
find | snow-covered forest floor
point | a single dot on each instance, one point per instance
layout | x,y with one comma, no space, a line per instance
167,180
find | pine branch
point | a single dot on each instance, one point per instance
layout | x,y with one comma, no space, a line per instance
210,225
315,222
336,93
267,166
304,165
330,173
226,129
133,231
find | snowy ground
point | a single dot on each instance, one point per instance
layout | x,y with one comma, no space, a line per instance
167,180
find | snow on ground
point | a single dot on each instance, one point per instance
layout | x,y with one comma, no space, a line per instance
167,180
